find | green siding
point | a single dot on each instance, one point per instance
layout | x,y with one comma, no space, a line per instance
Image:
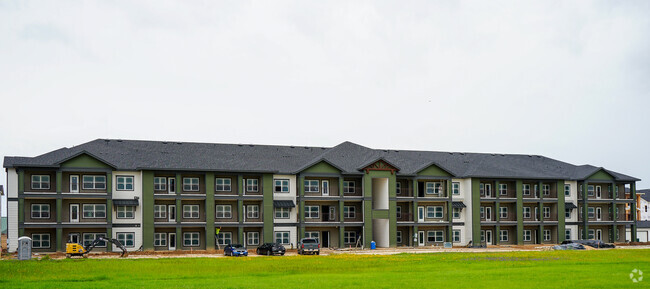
59,181
59,210
520,212
147,210
209,211
322,168
380,214
476,212
561,221
21,181
435,171
267,183
371,214
21,210
84,161
59,240
601,175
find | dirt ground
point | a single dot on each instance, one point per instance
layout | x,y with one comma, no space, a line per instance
325,252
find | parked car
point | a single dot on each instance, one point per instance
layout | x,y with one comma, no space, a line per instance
598,244
269,249
308,245
235,250
569,246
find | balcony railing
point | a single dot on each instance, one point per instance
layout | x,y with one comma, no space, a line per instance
322,217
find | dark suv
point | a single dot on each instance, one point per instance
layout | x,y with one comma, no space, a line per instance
269,249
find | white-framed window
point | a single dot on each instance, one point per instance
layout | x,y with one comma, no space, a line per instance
223,211
94,182
160,211
503,189
40,211
311,186
567,213
590,190
456,213
503,212
547,235
350,212
482,236
398,188
88,238
94,211
159,183
41,240
281,186
253,238
313,235
191,211
526,212
398,212
456,235
547,212
398,234
191,239
312,212
526,189
455,188
224,238
591,212
348,187
350,237
190,184
252,211
124,183
567,190
40,182
567,234
282,213
592,234
485,189
433,188
127,239
160,239
125,212
434,212
546,190
252,185
282,237
435,236
503,235
528,235
482,212
74,183
223,185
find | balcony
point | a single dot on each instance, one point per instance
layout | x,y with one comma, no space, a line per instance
405,217
322,218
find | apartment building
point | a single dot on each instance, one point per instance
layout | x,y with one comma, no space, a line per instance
177,196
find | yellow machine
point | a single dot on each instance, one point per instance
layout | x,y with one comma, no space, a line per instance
75,249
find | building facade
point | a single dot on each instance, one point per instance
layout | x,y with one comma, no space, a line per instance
194,196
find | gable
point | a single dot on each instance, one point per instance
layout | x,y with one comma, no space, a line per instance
434,170
322,168
84,161
601,175
380,165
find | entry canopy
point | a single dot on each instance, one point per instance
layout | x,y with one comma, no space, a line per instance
125,202
283,204
459,205
570,206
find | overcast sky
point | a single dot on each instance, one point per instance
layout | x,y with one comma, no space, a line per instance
566,79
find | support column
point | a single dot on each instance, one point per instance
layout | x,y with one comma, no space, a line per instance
209,211
585,211
179,214
496,238
147,206
59,240
301,207
540,206
267,213
520,212
633,211
109,234
561,208
476,212
341,217
450,213
109,209
341,235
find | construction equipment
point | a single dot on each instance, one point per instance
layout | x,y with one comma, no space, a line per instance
75,249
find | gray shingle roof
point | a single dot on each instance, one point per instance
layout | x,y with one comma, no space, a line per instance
645,194
347,156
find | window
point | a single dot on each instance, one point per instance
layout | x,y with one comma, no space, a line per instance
482,236
311,212
435,236
567,234
282,237
223,211
253,238
223,185
190,184
456,236
74,183
455,188
398,212
127,239
94,211
503,189
252,211
281,186
528,236
456,213
590,190
433,188
40,240
282,213
125,183
160,184
526,212
503,212
348,187
567,190
546,189
40,211
399,236
526,189
398,188
434,212
481,189
40,182
567,213
159,211
503,235
311,186
313,235
191,239
482,210
125,212
547,235
94,182
592,234
590,212
224,238
349,212
547,212
160,239
191,211
88,238
252,185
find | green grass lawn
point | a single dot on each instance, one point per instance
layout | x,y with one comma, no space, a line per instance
549,269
